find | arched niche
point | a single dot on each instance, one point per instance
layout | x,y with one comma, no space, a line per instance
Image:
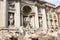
26,9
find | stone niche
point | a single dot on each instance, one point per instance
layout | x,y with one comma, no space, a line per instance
26,17
10,19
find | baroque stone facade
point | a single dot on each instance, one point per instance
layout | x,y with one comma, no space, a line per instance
27,19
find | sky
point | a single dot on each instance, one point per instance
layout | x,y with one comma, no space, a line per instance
56,2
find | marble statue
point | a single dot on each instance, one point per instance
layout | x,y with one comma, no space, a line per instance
11,19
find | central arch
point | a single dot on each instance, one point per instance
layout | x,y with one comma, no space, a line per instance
26,18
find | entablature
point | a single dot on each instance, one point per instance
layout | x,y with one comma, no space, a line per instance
50,5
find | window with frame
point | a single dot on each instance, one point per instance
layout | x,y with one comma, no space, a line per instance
40,21
54,16
47,22
55,21
51,21
50,15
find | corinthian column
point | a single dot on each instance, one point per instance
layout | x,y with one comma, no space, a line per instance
35,10
17,14
4,13
44,20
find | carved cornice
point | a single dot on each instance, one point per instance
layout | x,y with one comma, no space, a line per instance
50,5
41,1
40,5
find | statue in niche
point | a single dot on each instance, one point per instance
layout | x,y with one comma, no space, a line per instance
28,27
27,22
11,19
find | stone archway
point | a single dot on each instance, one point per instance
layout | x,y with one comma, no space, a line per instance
26,18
